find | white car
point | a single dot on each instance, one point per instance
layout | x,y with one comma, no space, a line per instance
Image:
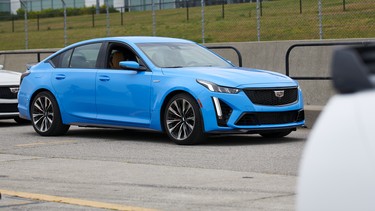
9,86
337,170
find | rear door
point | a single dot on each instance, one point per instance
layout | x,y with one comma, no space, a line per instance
74,82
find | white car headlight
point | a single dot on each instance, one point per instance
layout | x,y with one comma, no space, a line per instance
216,88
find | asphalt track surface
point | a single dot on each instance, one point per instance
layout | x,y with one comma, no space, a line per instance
111,169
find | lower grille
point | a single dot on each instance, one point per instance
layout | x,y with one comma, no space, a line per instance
264,118
9,107
6,93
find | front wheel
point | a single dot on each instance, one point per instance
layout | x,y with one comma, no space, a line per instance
45,115
183,120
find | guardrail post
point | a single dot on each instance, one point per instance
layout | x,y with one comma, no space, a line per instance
97,7
107,18
93,19
320,19
153,18
122,16
203,20
37,22
12,23
222,9
258,20
65,34
26,29
187,10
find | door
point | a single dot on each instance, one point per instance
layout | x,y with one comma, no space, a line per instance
123,96
74,82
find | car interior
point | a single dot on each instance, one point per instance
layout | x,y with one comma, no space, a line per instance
118,53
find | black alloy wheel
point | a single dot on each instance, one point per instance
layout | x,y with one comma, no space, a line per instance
45,115
183,120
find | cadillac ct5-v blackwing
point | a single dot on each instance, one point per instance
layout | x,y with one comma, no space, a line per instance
163,84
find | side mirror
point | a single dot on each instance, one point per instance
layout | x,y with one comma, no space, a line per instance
353,69
131,65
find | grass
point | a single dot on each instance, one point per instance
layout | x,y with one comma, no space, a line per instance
280,20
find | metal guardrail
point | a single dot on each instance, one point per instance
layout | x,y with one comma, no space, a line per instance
229,47
39,52
287,56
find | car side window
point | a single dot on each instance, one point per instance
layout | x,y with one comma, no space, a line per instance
61,60
65,58
80,57
118,53
85,56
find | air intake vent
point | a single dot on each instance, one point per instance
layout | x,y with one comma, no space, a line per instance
264,118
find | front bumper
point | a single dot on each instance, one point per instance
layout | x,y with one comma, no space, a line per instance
236,113
8,108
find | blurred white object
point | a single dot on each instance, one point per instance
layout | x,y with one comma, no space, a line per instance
9,86
337,171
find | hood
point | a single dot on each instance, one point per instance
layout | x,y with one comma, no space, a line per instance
234,77
9,78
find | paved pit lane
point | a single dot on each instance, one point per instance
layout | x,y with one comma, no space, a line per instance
138,170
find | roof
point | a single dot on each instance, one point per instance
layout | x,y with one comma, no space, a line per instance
141,39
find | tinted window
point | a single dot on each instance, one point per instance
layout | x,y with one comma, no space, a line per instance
81,57
65,58
85,56
181,55
62,60
118,52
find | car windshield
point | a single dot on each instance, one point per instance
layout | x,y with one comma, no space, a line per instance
178,55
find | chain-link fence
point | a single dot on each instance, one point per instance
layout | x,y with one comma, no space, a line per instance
201,20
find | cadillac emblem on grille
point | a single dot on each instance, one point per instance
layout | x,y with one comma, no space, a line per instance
14,90
279,93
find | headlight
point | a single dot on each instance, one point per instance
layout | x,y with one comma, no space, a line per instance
216,88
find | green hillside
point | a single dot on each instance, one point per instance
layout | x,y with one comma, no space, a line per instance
280,20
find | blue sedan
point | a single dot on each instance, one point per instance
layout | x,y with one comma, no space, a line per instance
171,85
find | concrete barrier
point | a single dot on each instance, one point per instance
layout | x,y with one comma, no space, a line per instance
17,60
305,61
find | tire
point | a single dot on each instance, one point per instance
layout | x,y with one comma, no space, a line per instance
183,120
46,117
278,134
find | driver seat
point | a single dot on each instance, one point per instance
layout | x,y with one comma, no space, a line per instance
115,59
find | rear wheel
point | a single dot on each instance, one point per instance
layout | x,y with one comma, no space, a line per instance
45,115
278,134
183,120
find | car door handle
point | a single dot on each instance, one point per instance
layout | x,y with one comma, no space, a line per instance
60,76
103,78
